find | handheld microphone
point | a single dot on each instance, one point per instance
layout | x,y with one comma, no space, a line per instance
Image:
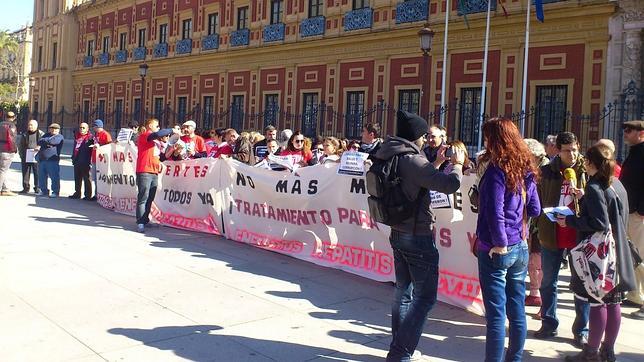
570,176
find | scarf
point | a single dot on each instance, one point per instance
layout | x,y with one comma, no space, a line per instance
80,139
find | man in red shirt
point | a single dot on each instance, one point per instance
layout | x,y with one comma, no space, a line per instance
148,167
195,145
228,148
101,137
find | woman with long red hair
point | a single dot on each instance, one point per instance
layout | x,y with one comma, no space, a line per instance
508,196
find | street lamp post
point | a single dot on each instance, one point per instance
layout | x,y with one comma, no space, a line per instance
143,71
426,35
32,86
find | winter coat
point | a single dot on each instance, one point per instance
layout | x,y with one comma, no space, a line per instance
418,173
23,143
600,208
549,189
632,177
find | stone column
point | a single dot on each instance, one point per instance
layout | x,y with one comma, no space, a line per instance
632,53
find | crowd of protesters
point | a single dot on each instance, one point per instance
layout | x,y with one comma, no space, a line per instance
515,179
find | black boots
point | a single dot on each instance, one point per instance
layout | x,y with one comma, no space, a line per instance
586,355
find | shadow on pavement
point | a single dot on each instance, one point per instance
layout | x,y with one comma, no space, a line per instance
196,343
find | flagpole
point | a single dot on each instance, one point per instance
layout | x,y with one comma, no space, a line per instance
524,92
483,84
444,77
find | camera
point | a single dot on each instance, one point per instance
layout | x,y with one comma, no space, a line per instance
449,152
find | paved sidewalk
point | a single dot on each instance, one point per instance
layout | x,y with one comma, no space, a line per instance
78,284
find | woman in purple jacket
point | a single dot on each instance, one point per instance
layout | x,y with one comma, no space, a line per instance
508,196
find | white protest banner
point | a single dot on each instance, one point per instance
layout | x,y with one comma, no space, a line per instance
352,163
314,215
116,177
188,196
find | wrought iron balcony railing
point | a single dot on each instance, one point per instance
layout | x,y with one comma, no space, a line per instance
104,58
240,37
120,56
358,19
88,61
273,32
184,46
139,53
475,6
161,50
411,11
312,26
210,42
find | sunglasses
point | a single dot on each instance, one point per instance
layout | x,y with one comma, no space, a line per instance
628,130
298,141
320,149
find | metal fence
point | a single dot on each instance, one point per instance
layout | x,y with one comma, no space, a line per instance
461,119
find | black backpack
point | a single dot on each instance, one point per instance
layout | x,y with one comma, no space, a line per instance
387,202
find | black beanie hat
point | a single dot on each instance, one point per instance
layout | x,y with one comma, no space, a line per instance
410,126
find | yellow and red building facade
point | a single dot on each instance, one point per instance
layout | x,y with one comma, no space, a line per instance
222,56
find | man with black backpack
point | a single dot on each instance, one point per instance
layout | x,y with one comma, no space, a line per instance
8,147
398,182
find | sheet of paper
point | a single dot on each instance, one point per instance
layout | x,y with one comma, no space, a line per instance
551,212
30,156
352,163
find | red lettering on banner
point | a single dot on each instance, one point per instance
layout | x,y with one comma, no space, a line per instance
206,225
196,171
120,204
445,238
102,158
269,242
356,257
290,216
459,286
357,217
122,156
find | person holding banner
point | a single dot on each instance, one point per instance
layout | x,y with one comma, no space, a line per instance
82,161
331,150
101,137
228,148
295,147
148,167
603,208
412,241
195,145
508,196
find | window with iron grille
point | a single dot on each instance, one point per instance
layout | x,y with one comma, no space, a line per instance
208,110
315,8
186,29
409,100
90,48
122,41
550,110
360,4
276,11
86,111
310,114
182,105
40,58
141,38
271,108
354,114
158,108
237,113
54,56
106,44
101,109
50,111
469,115
118,113
137,110
213,19
163,33
242,18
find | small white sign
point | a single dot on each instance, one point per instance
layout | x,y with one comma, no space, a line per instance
352,163
125,135
30,156
439,200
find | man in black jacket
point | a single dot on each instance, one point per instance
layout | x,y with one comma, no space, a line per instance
82,161
632,177
412,240
371,141
28,144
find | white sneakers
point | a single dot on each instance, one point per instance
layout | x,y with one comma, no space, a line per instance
140,228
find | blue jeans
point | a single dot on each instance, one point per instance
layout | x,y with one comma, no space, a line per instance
416,264
147,188
502,279
550,265
49,169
